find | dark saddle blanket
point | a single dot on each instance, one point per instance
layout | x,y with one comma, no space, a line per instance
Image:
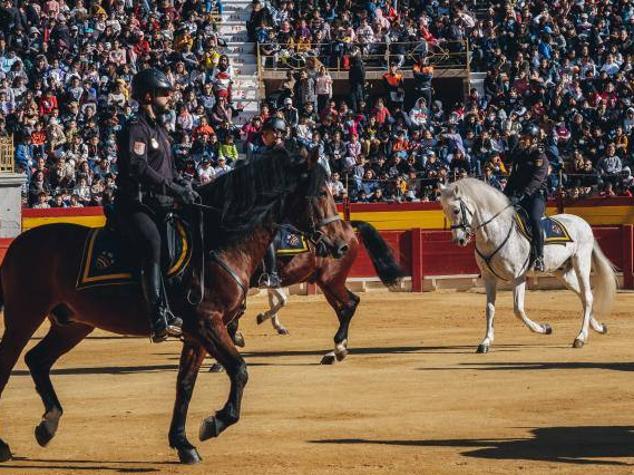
108,260
289,242
554,231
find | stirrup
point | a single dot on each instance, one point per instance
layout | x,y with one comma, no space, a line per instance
174,324
269,281
264,282
168,325
539,264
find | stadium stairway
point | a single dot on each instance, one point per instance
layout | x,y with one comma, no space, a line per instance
242,55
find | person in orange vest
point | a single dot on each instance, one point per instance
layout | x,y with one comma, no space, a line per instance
393,82
423,74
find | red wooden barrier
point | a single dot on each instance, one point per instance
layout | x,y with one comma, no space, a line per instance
417,259
4,245
627,239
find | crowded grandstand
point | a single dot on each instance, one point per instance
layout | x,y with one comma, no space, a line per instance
561,69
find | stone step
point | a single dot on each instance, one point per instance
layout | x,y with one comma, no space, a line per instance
245,94
246,69
242,84
233,25
245,13
239,49
238,15
233,3
238,59
236,6
241,36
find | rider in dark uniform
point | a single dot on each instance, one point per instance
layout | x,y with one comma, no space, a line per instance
272,141
527,186
147,184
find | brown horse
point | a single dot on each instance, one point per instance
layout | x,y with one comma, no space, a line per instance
38,280
330,276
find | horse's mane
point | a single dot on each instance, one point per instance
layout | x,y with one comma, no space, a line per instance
482,193
253,194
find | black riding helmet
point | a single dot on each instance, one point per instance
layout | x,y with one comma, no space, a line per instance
274,123
149,80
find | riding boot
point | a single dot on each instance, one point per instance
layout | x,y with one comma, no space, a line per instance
162,322
269,278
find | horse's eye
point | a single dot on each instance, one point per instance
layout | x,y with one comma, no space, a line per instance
456,211
323,194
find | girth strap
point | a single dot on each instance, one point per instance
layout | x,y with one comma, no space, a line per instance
487,259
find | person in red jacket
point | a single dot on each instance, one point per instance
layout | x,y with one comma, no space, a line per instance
48,103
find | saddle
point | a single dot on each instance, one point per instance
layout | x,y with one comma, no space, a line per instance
555,232
107,259
289,242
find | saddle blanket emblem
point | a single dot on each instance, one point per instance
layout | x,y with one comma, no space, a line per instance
106,260
554,231
289,243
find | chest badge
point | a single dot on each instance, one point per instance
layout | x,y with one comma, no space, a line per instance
154,143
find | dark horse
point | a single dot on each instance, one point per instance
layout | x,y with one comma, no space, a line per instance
38,278
330,275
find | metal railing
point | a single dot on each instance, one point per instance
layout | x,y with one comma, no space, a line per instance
376,56
7,153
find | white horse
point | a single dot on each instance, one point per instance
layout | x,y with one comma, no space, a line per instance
277,301
476,209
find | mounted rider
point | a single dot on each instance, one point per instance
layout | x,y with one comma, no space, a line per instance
147,185
272,142
526,186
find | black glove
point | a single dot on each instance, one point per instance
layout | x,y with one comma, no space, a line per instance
184,194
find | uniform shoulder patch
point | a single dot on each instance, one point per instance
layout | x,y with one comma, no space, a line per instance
139,147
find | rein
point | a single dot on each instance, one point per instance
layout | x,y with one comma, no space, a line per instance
464,209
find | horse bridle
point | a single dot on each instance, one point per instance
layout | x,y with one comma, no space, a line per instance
464,224
315,235
470,230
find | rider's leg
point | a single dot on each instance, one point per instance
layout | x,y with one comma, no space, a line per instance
269,277
148,237
536,207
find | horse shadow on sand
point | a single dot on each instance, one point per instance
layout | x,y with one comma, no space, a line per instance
586,445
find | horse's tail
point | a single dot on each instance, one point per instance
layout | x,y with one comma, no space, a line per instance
605,281
388,270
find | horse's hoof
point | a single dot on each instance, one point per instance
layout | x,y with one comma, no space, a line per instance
5,451
260,318
282,331
547,329
210,428
189,456
578,343
216,368
238,339
328,359
605,329
43,435
482,349
341,355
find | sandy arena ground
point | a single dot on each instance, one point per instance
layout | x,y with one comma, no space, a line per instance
412,397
